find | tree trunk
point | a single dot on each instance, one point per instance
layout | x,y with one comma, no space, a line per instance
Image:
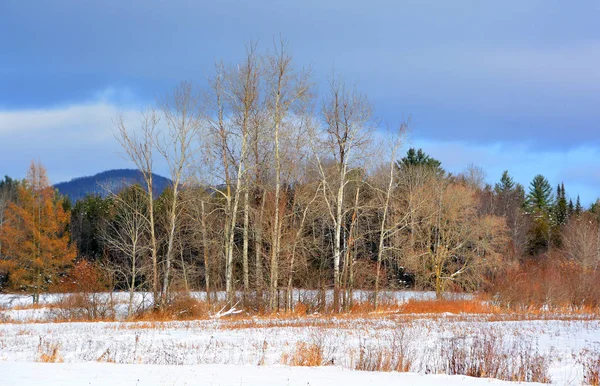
337,245
258,252
245,248
205,253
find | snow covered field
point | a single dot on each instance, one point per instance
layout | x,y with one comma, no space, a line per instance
96,374
256,351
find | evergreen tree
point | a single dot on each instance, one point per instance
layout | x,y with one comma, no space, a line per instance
506,184
571,209
561,207
539,198
595,207
87,219
539,205
578,207
419,158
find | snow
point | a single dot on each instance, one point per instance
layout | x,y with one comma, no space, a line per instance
248,351
75,374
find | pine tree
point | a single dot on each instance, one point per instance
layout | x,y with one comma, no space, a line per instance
419,158
578,207
560,206
506,184
539,205
539,198
35,235
571,209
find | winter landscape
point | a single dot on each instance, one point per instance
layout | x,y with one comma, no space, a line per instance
391,347
303,193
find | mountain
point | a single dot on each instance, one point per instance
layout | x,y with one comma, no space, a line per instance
106,182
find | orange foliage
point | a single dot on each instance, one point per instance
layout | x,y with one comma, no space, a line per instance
84,277
35,236
451,306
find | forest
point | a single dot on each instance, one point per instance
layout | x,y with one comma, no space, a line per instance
274,186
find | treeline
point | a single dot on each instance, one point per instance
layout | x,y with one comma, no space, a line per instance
273,189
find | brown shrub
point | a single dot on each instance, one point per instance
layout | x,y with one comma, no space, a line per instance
396,357
488,356
305,354
84,306
83,277
181,306
551,283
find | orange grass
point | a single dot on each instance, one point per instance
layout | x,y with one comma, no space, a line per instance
439,306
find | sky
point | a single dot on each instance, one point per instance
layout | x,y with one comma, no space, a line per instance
502,85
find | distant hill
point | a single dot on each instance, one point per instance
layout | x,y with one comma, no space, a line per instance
109,181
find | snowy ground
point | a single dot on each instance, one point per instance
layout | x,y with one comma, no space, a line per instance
255,351
76,374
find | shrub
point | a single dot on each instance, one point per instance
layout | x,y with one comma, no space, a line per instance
85,306
552,282
590,360
49,352
487,355
180,306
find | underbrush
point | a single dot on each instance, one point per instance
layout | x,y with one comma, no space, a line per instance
180,306
49,352
482,353
397,356
84,307
589,358
549,285
488,355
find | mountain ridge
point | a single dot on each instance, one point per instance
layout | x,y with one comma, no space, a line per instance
106,182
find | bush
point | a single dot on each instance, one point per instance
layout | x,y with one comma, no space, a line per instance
551,282
180,306
85,306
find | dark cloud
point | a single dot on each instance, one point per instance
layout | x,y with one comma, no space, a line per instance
514,72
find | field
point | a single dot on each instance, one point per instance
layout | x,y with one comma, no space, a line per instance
414,340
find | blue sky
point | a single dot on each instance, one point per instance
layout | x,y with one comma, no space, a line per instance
504,85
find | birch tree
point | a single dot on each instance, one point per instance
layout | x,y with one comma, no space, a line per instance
286,89
183,118
139,145
127,236
347,126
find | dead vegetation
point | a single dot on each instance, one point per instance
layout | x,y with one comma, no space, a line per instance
49,352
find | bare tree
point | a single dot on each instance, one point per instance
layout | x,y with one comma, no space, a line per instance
581,241
183,118
126,235
386,229
285,88
347,127
244,86
453,242
138,145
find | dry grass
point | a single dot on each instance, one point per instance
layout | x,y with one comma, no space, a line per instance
590,360
395,357
49,352
440,306
305,354
181,306
487,355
